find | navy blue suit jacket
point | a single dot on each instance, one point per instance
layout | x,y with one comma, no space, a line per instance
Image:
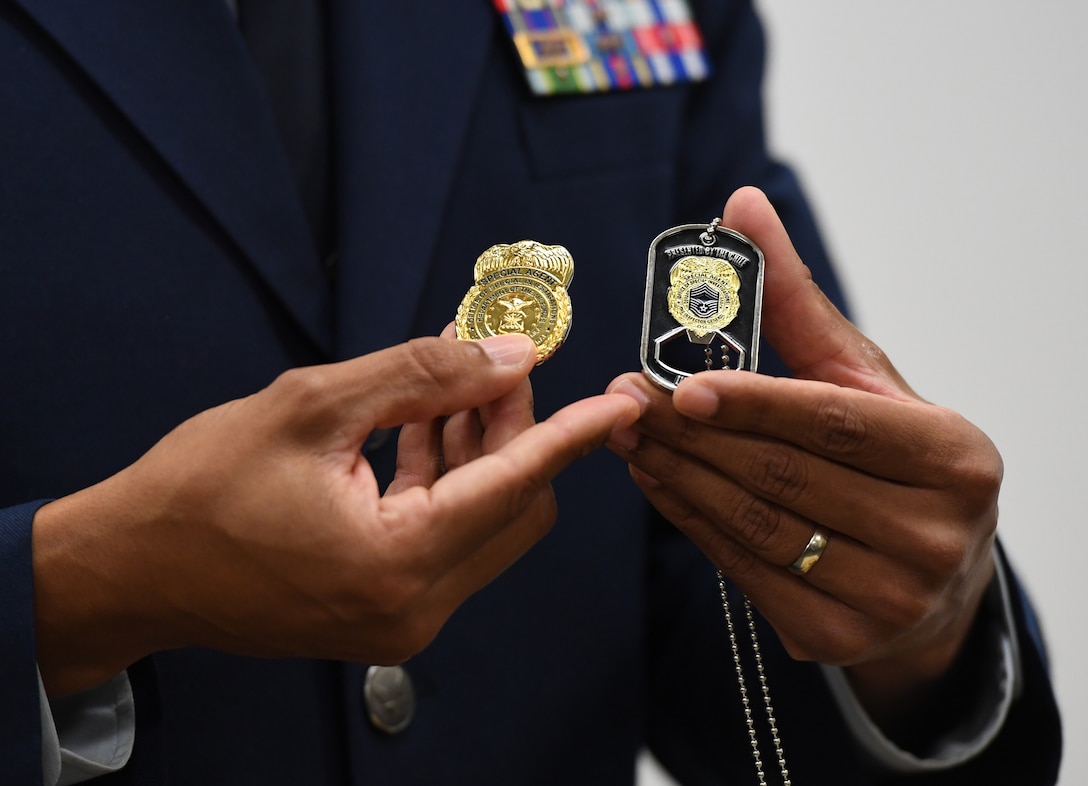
155,261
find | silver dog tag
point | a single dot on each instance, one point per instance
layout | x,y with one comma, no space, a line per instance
704,294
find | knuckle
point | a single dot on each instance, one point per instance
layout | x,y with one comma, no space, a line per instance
946,550
531,501
668,473
982,474
758,523
938,547
733,559
907,610
544,517
548,511
303,400
841,427
668,467
534,509
305,388
428,364
970,462
778,472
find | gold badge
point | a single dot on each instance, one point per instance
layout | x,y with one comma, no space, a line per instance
520,288
703,295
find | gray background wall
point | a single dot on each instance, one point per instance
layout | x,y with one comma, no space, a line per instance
943,144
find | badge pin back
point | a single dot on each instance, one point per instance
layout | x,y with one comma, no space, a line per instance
588,46
520,288
704,296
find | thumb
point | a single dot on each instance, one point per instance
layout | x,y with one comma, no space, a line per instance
408,383
428,378
809,333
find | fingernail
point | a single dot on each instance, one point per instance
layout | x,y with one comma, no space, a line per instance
509,350
695,399
631,390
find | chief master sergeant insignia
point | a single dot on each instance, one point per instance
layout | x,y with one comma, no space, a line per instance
703,296
520,288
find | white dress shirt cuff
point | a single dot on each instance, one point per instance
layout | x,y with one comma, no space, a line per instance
999,683
88,734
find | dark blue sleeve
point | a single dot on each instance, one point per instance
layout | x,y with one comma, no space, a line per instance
20,709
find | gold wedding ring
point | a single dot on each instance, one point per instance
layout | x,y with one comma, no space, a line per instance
812,553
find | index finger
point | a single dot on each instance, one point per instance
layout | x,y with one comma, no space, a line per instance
899,439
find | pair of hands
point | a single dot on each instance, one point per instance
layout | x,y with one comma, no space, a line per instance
259,528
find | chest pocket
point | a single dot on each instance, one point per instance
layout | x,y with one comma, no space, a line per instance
573,137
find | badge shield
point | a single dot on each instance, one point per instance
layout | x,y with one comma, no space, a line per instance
519,288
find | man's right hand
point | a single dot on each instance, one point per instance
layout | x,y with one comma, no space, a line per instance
258,527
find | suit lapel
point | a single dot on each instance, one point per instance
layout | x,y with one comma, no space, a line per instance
407,72
180,73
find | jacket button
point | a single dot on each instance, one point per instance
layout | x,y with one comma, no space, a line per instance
390,698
